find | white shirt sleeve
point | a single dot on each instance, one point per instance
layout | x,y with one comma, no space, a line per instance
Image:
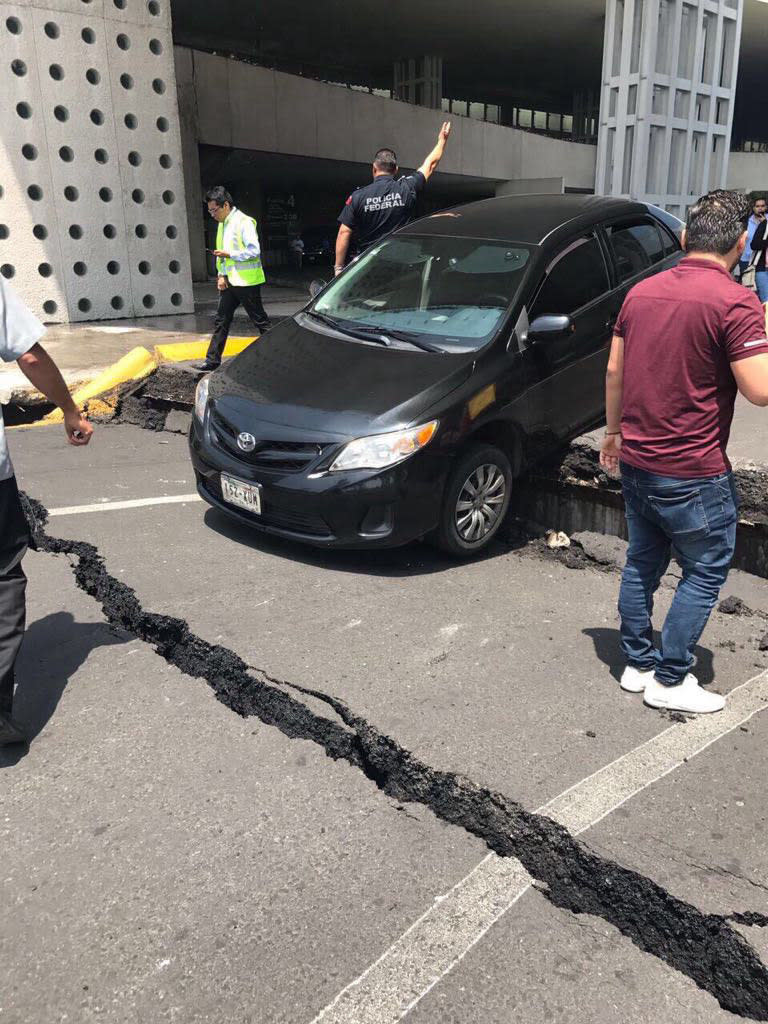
19,327
251,247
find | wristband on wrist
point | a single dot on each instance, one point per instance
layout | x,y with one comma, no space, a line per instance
612,433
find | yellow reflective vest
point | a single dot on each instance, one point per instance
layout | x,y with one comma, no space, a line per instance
238,272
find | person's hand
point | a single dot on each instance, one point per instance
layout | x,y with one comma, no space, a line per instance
444,132
609,453
221,254
78,429
222,284
337,271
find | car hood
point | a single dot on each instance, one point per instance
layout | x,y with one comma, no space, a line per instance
306,379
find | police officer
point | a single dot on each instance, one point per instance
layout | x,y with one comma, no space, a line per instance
387,203
238,262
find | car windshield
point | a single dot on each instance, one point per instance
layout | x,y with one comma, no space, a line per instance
450,292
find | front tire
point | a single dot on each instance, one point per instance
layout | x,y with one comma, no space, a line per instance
475,501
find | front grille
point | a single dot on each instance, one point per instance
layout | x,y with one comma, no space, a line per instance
282,456
276,514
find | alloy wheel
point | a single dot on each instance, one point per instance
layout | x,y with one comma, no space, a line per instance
480,503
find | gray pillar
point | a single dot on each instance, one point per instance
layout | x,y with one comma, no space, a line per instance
419,80
92,215
666,107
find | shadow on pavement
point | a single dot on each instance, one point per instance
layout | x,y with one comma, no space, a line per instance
417,559
54,649
608,650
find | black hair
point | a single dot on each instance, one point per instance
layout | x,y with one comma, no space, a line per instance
756,197
716,221
386,160
219,195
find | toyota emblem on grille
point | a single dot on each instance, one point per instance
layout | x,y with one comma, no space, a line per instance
246,442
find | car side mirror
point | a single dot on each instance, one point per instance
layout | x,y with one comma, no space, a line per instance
315,288
545,327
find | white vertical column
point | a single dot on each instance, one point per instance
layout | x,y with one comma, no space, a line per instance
666,104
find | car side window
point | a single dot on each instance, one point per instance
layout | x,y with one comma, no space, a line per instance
636,246
575,279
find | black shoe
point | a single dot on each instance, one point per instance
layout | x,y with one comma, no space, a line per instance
207,366
10,731
265,326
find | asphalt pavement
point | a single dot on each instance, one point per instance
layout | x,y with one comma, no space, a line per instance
168,859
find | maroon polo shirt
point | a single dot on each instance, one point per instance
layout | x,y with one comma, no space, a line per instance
682,329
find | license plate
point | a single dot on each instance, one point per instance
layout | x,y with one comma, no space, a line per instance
242,494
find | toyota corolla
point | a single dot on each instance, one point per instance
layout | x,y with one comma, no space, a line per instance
405,398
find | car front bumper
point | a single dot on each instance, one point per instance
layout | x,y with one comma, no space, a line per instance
360,509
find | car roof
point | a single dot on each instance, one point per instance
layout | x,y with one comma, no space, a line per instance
534,219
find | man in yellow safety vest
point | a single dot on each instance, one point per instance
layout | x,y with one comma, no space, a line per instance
240,274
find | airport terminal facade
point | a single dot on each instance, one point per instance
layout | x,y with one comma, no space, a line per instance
118,114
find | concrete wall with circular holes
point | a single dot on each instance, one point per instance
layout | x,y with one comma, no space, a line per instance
92,214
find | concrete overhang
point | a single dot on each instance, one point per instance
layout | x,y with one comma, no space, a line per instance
492,49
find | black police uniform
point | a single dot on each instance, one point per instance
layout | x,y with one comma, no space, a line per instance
376,209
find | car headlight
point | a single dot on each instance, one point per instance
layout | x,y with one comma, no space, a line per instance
381,450
201,398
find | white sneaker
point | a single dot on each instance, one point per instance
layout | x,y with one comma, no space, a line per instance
686,696
634,680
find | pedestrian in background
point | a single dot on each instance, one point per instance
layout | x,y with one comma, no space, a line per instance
296,247
685,341
240,273
757,218
20,333
759,247
386,204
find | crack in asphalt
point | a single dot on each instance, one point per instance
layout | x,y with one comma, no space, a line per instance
704,947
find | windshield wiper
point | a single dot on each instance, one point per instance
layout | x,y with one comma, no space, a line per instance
367,332
364,333
386,332
322,318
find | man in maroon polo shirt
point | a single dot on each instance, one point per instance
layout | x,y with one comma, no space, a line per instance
686,340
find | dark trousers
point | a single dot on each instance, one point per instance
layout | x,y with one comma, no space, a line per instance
14,539
229,300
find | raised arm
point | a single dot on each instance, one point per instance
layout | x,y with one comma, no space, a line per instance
430,164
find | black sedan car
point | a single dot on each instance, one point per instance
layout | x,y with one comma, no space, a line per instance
405,398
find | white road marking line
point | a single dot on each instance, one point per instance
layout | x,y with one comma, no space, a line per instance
113,506
434,944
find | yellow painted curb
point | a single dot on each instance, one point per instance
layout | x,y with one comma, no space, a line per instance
184,351
134,365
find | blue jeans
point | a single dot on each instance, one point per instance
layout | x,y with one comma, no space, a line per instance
698,519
